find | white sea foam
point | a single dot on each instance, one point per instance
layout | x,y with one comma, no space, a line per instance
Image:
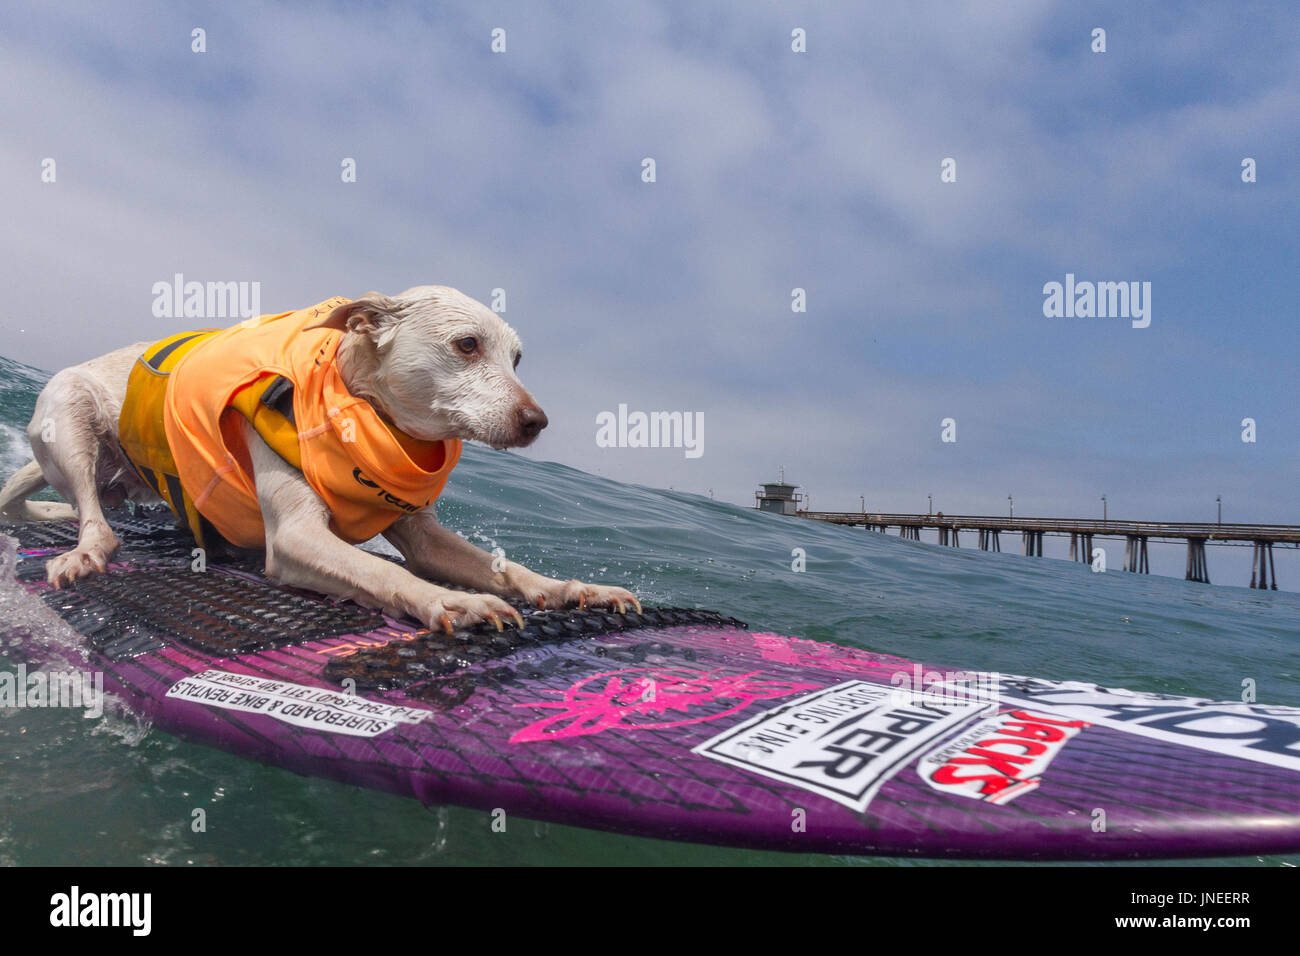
33,632
14,450
121,723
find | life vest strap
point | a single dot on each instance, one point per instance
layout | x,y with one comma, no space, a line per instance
268,405
140,426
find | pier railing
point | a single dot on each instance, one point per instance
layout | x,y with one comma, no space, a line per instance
1081,532
1211,531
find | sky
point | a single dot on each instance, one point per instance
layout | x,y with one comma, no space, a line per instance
775,170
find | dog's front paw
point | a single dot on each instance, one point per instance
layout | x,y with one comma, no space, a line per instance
71,566
453,609
581,594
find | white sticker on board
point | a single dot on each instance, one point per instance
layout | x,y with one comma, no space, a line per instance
1257,732
317,707
843,742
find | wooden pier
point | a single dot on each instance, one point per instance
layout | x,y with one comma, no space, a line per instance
1136,534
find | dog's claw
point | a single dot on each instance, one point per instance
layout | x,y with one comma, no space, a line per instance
497,621
622,608
519,618
445,621
582,602
636,604
541,602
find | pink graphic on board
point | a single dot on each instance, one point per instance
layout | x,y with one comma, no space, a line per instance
632,699
831,657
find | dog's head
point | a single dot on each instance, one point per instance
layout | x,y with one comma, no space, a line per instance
439,365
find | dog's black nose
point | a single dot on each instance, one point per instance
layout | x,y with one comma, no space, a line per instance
531,421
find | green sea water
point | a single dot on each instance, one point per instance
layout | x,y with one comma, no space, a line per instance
79,791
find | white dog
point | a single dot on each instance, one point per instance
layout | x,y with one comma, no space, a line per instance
431,362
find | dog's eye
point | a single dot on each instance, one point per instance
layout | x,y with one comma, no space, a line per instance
468,345
518,356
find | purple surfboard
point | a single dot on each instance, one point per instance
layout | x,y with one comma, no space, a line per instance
675,723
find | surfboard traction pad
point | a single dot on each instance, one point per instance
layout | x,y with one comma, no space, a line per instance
654,724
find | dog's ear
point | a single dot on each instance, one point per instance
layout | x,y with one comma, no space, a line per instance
374,314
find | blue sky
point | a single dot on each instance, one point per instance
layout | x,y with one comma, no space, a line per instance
775,170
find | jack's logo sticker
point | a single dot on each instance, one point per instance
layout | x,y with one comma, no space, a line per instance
1266,734
999,758
647,698
843,742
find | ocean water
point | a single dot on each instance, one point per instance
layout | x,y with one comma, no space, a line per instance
81,791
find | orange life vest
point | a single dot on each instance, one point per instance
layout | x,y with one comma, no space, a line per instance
180,427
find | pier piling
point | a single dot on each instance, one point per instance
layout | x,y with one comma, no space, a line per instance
1081,547
1197,569
1263,560
1135,554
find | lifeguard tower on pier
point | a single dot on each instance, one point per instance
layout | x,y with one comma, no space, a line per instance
778,496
